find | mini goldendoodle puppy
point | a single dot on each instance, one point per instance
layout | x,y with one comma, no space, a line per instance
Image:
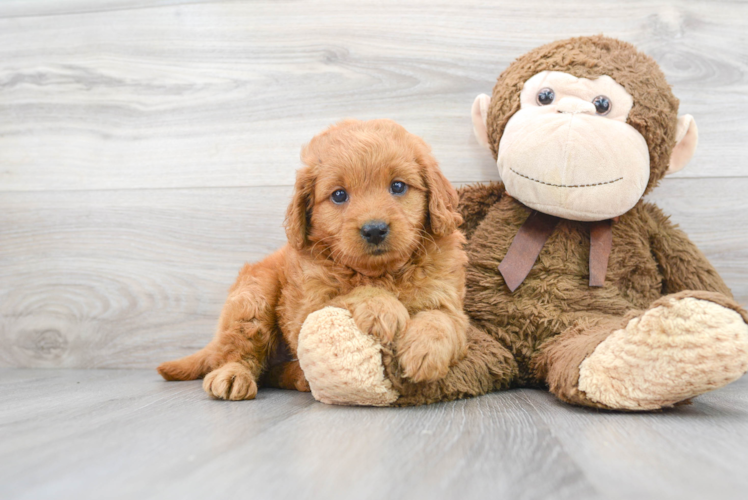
372,228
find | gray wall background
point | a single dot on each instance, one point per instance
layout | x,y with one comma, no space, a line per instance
148,148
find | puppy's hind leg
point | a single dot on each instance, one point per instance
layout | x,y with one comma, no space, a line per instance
287,375
234,359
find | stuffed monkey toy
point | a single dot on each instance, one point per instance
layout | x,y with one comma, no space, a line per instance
589,290
593,292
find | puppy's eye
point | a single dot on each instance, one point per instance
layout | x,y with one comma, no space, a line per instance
339,197
602,105
546,96
398,188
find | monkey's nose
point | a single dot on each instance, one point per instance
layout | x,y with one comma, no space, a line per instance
375,231
575,105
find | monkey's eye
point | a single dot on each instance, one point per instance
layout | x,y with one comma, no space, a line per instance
546,96
339,197
398,188
602,105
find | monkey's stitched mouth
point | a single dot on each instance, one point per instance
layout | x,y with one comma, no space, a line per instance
566,185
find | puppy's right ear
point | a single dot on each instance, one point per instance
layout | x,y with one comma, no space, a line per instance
299,214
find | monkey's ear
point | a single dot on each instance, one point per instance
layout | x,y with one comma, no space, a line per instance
686,139
480,114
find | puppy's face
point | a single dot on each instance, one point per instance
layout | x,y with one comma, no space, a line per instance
370,193
369,210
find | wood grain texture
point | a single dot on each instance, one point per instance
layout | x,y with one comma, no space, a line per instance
114,434
147,149
225,93
131,278
105,279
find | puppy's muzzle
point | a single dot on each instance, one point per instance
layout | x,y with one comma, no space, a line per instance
375,232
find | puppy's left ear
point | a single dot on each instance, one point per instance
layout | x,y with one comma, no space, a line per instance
299,213
442,196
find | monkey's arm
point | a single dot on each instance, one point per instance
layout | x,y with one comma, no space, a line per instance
682,264
475,201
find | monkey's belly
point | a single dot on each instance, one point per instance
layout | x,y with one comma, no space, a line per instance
556,293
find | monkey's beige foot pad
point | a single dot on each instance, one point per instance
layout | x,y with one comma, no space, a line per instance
342,364
671,353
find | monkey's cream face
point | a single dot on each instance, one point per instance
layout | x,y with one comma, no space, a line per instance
569,152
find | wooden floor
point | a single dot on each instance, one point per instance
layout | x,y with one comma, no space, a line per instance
110,434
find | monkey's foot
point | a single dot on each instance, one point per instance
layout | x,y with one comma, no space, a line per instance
342,364
685,345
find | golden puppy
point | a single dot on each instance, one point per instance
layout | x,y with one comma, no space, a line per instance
372,227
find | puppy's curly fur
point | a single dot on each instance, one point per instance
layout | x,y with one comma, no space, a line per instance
407,290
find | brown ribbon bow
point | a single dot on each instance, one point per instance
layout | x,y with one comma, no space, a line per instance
526,246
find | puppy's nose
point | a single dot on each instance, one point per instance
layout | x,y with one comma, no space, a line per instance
375,231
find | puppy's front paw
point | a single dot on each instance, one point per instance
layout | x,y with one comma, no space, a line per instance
383,317
422,361
232,381
428,347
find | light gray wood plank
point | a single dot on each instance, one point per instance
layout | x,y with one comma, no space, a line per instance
103,434
225,93
127,434
36,8
131,278
696,451
469,449
88,278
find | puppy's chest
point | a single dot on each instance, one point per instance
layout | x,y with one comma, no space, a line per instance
405,286
410,287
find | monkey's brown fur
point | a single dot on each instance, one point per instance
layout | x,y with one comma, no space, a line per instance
555,320
409,298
